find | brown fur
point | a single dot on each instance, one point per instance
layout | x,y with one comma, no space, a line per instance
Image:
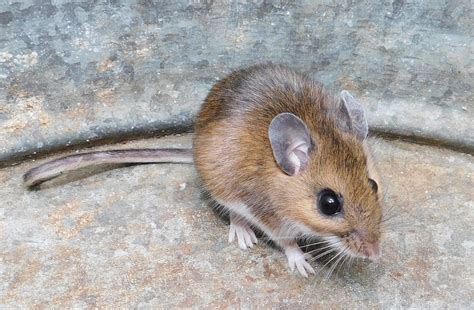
234,158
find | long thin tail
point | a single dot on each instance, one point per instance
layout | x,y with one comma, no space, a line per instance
56,167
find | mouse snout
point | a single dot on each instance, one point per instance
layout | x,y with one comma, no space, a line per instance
370,245
372,250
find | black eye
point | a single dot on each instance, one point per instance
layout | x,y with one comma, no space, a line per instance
374,185
329,202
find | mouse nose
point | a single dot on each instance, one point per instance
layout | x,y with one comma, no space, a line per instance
370,245
372,250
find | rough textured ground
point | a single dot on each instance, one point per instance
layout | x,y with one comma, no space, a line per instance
75,71
142,237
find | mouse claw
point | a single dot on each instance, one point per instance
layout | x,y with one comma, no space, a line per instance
231,233
297,260
241,229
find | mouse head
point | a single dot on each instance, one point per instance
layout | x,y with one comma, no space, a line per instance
328,166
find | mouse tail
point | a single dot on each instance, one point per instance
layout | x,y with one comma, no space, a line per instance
56,167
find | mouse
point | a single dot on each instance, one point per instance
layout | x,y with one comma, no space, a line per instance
281,155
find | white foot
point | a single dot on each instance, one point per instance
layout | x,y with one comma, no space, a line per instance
241,228
296,258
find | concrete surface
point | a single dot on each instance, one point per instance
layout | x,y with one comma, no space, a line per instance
141,237
76,71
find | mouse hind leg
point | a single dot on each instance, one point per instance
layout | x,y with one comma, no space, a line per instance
240,229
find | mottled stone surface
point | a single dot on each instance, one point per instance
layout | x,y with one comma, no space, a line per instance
141,237
72,72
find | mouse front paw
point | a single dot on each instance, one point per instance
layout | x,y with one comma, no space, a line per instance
297,260
241,229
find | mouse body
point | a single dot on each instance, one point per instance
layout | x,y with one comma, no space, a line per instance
279,154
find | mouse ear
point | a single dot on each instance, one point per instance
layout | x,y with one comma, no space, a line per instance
291,143
350,116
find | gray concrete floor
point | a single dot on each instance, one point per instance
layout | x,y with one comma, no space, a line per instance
78,72
141,237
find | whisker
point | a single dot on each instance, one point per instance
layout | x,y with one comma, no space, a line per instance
301,237
332,248
389,212
313,259
313,244
389,218
316,244
320,249
351,262
334,265
342,265
334,257
323,239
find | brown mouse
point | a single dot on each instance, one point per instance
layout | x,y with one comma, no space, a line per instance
281,155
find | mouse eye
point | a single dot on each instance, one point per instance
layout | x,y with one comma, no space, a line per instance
373,185
329,202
